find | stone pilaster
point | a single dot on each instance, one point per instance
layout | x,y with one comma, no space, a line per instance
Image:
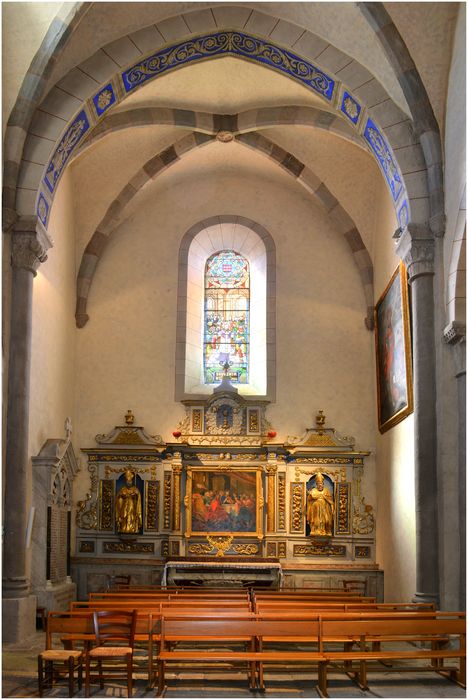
28,251
455,336
416,249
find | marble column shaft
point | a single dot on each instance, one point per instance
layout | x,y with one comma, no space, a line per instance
416,248
27,254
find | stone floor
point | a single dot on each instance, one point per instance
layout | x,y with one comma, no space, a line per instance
20,681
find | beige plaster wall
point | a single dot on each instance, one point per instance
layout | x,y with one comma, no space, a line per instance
395,534
24,25
100,173
126,352
53,330
350,172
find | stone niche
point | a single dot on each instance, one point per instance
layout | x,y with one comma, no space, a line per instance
54,470
224,450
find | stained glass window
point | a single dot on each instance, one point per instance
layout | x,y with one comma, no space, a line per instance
226,318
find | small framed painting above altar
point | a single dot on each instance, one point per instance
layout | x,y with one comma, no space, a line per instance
224,501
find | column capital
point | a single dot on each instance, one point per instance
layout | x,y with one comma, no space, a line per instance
455,336
29,245
416,248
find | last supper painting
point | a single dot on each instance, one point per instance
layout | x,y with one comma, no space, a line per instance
223,501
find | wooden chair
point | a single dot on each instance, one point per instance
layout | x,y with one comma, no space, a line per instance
115,637
56,665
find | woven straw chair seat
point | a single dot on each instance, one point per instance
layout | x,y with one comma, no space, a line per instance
60,654
110,651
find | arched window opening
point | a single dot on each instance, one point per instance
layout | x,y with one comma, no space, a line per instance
226,318
226,310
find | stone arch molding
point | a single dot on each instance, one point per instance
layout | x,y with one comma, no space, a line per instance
366,109
163,160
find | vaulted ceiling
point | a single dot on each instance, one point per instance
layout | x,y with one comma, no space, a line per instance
307,133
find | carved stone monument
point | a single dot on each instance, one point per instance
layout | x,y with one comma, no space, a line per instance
54,470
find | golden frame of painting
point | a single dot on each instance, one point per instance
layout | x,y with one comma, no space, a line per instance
393,352
224,501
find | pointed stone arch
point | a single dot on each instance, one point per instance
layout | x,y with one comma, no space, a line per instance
409,194
159,163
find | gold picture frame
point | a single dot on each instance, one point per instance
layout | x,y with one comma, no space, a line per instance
223,501
393,352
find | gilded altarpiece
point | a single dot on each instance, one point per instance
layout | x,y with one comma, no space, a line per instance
224,493
121,519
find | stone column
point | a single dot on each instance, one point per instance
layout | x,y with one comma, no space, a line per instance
28,251
455,336
416,248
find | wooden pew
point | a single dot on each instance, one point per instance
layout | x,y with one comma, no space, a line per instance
419,628
298,601
194,606
248,631
292,606
193,590
308,593
162,595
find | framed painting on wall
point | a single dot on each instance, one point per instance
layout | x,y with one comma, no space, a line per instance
393,352
224,501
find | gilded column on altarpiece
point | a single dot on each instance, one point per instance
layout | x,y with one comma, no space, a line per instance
271,502
176,472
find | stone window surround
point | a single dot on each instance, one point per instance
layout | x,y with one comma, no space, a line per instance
255,243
